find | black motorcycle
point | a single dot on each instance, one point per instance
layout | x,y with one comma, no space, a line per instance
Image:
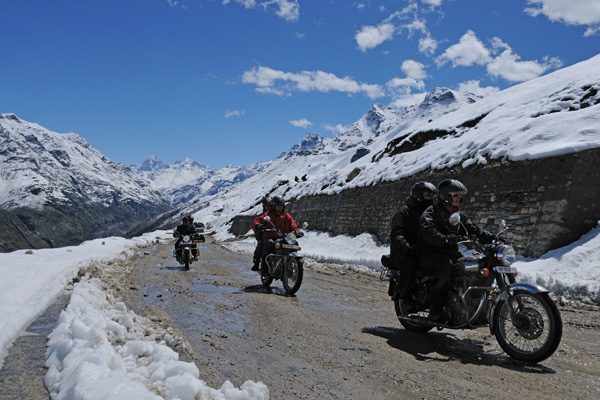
284,263
186,251
522,317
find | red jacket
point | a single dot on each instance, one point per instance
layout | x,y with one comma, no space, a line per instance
284,222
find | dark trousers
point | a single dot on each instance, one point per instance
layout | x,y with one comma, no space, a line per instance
406,266
446,274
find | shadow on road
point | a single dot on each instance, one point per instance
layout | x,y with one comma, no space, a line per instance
444,347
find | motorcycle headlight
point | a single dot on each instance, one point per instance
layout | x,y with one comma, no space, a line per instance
505,255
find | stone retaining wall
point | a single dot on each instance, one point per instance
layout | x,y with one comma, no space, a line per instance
547,203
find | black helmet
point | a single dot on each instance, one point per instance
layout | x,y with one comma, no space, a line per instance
266,200
278,201
418,189
449,187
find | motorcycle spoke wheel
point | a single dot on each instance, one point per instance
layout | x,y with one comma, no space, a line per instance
292,275
532,330
405,309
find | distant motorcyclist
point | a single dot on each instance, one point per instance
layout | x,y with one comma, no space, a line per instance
280,220
437,241
266,207
403,237
186,228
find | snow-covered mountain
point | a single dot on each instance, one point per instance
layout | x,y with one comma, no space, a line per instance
41,167
56,189
184,180
555,114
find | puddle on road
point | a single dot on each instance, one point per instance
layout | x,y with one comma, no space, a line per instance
211,288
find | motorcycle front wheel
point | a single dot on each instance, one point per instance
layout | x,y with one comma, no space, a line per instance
293,272
403,309
533,332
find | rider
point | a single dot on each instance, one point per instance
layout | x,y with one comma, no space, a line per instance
266,207
186,228
403,237
437,241
280,220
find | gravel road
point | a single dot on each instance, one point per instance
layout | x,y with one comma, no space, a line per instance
338,338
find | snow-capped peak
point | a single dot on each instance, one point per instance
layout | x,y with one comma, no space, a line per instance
152,163
312,143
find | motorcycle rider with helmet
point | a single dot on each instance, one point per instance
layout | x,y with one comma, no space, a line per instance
403,237
279,219
437,241
266,207
186,228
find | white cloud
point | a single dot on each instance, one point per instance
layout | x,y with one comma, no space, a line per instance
508,66
301,123
372,36
433,3
245,3
172,3
475,88
286,9
300,35
337,128
468,51
289,10
570,12
269,80
234,113
427,45
500,61
414,69
396,83
408,100
360,5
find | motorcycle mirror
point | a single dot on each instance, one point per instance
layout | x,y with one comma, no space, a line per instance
503,224
454,219
267,218
304,225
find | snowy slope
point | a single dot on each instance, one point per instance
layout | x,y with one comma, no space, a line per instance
38,167
555,114
183,180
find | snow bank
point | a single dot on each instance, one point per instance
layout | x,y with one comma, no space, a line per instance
32,279
100,350
572,270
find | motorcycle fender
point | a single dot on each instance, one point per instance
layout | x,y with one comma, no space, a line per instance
510,290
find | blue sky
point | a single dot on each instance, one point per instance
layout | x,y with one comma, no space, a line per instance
240,81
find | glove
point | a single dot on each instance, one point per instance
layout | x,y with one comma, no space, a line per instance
452,239
299,233
259,227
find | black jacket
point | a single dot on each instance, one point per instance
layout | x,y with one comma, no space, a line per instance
405,227
434,229
184,229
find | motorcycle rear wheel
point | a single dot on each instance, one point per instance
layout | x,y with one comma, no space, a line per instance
293,271
536,331
401,308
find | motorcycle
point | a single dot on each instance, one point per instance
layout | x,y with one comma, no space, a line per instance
284,263
523,318
187,249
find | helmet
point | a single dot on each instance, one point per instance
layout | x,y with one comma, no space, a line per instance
278,201
266,200
188,218
449,187
420,188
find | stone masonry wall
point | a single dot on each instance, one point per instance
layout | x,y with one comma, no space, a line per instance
547,203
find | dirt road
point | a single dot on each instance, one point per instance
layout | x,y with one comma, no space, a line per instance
339,337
